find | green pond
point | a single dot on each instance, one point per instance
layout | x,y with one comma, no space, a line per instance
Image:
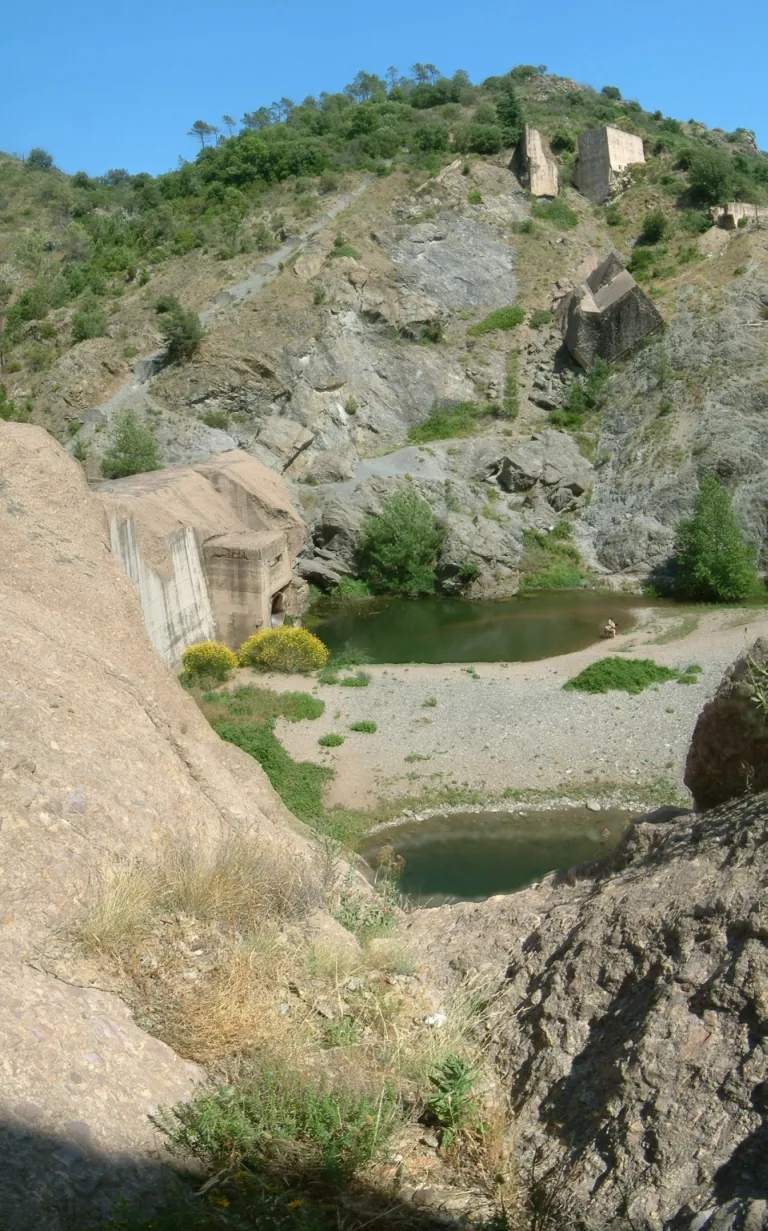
445,630
468,856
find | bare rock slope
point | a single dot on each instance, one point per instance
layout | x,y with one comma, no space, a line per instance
103,758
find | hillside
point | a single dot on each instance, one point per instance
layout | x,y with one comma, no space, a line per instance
347,350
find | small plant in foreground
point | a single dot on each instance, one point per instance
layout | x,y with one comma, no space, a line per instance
284,649
366,726
361,679
277,1122
542,316
430,703
209,660
450,1100
627,675
331,740
475,197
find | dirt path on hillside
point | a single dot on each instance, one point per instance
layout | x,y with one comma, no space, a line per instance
512,726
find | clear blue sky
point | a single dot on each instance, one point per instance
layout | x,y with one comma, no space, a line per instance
112,85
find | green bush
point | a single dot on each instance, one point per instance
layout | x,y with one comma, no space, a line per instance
551,561
450,1101
627,675
556,212
461,420
510,115
711,175
331,740
91,324
542,316
251,704
655,227
585,397
216,418
361,679
342,248
133,450
298,783
209,660
40,159
562,142
399,548
182,331
712,561
502,318
285,649
352,588
475,197
279,1124
365,726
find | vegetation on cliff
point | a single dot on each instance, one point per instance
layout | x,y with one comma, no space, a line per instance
712,561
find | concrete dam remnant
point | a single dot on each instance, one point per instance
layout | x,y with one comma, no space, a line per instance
736,213
605,158
538,168
210,547
606,315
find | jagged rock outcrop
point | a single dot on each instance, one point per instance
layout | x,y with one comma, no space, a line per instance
103,759
632,1022
211,549
728,756
605,158
607,315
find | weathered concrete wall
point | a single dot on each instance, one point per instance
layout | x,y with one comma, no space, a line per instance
729,215
539,169
210,548
607,315
177,607
605,156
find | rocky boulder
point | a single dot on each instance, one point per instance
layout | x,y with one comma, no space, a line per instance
728,756
630,1016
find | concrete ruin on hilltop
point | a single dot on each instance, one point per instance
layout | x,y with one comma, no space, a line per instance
538,168
210,547
605,158
606,315
733,213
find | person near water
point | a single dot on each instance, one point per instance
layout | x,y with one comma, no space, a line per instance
610,628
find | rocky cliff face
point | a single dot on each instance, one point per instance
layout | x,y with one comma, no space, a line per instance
103,759
632,1023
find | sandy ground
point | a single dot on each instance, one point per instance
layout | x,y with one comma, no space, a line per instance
512,726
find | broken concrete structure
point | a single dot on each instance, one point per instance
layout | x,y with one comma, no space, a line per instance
605,158
211,549
538,167
606,315
738,213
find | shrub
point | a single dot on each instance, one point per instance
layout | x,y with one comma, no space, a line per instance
502,318
361,679
331,740
352,588
655,227
510,406
284,649
91,324
461,420
342,248
298,783
562,142
542,316
366,726
712,561
450,1100
399,548
510,116
40,159
626,675
485,139
133,450
280,1124
210,660
551,561
475,197
216,418
181,330
585,397
556,212
711,175
612,92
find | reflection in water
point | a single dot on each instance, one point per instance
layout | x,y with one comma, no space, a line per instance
433,630
473,855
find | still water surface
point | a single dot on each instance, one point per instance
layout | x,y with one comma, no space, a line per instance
445,630
468,856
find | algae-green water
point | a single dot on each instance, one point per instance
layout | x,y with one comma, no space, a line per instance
445,630
468,856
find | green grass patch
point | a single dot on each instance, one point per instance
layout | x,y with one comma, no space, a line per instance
461,420
676,629
253,704
502,318
542,316
556,212
510,405
331,740
551,561
298,783
361,679
366,726
631,675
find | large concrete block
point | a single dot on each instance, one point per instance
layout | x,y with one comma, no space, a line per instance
729,216
605,158
538,167
606,315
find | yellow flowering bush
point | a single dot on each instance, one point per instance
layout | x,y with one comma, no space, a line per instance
284,649
209,660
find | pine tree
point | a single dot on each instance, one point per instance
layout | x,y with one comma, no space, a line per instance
712,561
133,450
510,115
